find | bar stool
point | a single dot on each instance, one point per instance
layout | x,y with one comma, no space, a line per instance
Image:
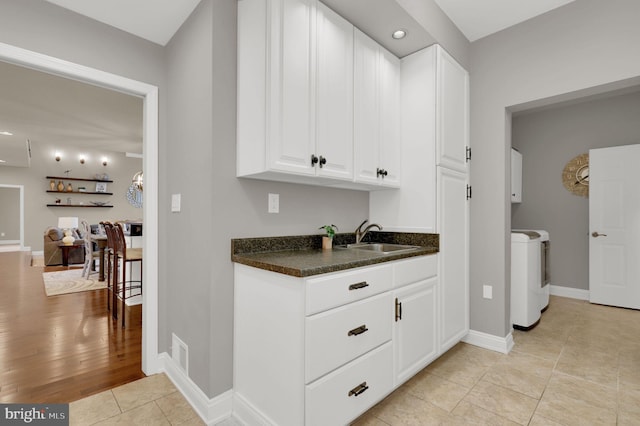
124,256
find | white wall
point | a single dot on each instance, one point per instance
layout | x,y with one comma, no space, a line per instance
585,44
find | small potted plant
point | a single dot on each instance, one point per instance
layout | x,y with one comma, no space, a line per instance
327,240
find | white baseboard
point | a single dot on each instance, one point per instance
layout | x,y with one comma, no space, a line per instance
573,293
489,341
247,414
210,410
39,253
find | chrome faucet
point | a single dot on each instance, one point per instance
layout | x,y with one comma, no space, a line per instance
360,233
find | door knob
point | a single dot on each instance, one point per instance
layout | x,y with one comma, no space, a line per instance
596,234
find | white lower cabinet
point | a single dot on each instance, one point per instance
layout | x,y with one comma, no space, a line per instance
323,350
415,332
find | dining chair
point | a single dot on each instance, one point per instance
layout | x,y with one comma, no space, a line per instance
125,256
90,255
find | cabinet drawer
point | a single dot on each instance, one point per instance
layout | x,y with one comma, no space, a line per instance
335,337
415,269
332,400
345,287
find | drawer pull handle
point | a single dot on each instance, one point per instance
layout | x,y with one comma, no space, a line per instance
357,286
358,389
398,310
358,330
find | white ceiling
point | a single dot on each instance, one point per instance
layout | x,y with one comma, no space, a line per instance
158,20
480,18
153,20
52,110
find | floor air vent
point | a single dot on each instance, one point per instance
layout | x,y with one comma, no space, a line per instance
180,353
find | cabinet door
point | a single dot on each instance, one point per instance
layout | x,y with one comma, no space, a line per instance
390,148
335,94
516,176
366,109
453,112
416,327
453,226
292,68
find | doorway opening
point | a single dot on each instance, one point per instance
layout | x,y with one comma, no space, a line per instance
149,94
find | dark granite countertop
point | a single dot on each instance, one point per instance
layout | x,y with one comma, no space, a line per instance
302,256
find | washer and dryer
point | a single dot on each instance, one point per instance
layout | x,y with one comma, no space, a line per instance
529,277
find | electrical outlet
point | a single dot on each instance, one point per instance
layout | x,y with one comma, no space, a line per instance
487,292
274,203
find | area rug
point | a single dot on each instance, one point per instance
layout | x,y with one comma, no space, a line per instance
71,281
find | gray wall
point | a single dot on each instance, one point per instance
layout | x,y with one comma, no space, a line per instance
9,214
547,140
585,44
37,216
217,206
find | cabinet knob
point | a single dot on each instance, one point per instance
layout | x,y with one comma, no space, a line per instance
381,172
314,160
323,161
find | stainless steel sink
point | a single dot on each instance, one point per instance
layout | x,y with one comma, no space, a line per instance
384,248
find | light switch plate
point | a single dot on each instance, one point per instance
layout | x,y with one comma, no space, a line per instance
175,203
487,292
274,203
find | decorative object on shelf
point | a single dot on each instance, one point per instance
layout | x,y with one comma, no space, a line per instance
60,186
101,176
69,187
68,223
99,203
138,181
575,175
101,187
52,185
69,200
82,189
327,241
134,196
58,201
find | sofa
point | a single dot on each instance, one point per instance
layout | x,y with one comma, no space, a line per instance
53,254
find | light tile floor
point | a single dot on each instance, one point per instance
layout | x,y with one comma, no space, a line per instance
579,366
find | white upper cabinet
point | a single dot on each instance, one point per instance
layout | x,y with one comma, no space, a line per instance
376,113
295,92
334,90
516,176
453,113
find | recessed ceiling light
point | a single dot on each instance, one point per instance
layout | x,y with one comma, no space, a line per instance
399,34
5,133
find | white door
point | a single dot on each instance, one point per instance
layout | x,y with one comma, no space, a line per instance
614,226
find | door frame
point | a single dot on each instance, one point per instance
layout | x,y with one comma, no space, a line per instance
149,94
21,189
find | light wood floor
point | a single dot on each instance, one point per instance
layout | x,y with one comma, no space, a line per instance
62,348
